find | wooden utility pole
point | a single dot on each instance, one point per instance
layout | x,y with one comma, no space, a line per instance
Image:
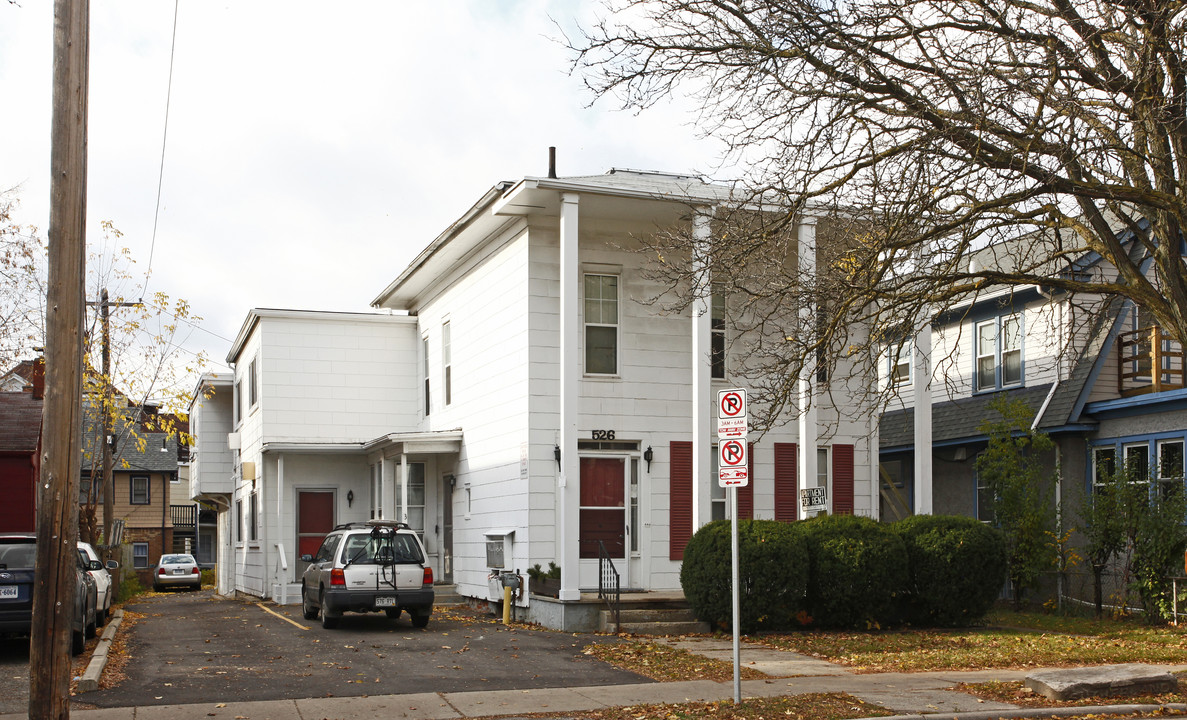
108,439
57,508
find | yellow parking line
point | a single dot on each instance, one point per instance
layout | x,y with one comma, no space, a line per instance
282,617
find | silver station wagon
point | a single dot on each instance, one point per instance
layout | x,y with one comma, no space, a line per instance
368,567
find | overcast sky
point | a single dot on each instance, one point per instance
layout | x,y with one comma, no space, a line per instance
312,148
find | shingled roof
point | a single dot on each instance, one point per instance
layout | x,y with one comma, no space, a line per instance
20,422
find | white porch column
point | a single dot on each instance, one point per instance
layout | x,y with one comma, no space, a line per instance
921,361
568,481
387,489
402,516
806,238
702,372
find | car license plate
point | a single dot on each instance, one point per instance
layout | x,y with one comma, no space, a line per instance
179,571
385,602
9,592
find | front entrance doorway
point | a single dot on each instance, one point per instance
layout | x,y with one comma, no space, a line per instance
603,517
315,519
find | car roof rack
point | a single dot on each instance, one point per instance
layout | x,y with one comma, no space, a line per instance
372,524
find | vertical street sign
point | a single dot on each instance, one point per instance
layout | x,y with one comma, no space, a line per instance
733,472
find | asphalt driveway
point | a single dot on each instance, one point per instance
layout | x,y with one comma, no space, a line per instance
196,647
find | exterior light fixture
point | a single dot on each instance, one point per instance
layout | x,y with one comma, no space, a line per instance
648,455
349,498
556,453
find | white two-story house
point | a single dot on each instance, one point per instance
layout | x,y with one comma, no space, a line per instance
515,401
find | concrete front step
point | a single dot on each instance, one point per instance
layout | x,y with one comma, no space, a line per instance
446,595
653,621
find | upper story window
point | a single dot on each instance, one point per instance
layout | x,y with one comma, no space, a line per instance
253,383
999,353
140,491
601,324
446,362
236,399
898,364
717,334
424,349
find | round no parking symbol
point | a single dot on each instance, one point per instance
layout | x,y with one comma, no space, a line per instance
733,453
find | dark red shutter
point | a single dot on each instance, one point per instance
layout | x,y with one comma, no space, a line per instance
680,498
842,479
746,493
786,502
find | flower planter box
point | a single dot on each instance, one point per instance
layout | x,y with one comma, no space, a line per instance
548,586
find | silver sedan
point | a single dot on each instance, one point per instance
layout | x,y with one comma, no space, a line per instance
176,570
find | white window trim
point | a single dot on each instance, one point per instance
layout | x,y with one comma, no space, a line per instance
447,361
426,387
585,324
998,381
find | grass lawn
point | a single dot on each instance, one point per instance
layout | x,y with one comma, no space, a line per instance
1008,640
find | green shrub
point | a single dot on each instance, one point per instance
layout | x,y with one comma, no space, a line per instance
858,572
772,574
957,568
209,578
130,586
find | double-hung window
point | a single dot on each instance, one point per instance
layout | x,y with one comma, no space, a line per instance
1104,464
140,555
424,348
446,362
898,362
717,334
253,383
601,324
1170,466
140,491
999,352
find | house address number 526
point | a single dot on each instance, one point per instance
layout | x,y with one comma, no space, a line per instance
603,434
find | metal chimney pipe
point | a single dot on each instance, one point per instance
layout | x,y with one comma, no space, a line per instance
552,162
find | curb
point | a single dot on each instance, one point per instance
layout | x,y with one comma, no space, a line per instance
1041,712
90,678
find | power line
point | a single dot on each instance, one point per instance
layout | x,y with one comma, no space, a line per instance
165,136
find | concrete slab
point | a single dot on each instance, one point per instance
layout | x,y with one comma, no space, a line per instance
926,701
417,706
97,714
769,661
657,693
515,702
261,710
1104,680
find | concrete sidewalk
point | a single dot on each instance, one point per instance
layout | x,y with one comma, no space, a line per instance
909,694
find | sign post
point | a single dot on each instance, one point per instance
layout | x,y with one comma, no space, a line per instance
733,472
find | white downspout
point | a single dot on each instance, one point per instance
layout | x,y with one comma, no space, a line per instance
808,464
702,432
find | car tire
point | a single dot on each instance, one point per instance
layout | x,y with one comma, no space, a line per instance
91,627
78,642
100,618
308,611
157,588
420,618
328,621
393,613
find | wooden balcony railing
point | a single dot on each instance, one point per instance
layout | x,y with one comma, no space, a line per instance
185,517
1148,361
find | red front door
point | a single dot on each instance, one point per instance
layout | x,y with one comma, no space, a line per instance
315,518
603,506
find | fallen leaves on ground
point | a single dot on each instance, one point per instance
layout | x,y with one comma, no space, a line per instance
666,664
814,706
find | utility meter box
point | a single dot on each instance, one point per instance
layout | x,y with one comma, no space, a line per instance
498,548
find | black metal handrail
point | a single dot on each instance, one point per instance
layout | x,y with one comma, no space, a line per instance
608,584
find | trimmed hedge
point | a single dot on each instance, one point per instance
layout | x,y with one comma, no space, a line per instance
957,567
772,572
857,572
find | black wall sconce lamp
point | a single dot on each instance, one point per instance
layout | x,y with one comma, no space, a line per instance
556,453
648,455
349,498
